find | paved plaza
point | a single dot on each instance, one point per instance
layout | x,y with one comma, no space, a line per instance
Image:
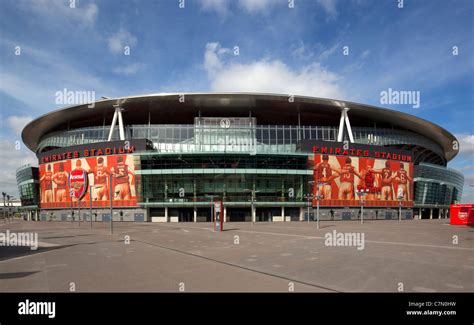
416,255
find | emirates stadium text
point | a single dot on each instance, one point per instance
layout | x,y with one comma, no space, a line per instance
361,153
87,153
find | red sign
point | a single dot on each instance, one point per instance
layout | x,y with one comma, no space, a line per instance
78,183
462,214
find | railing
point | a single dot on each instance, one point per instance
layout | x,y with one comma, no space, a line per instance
208,199
23,167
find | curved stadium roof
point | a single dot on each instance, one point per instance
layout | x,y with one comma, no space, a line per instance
267,108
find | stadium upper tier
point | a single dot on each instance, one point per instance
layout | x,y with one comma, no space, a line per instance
269,139
171,122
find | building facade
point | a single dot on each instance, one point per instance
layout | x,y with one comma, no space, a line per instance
27,178
253,152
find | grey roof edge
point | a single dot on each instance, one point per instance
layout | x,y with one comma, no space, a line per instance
35,128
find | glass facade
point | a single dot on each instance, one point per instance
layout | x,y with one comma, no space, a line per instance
437,186
28,185
200,177
154,161
231,188
176,138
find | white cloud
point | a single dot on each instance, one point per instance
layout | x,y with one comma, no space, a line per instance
301,51
356,64
468,190
212,61
467,167
365,54
329,7
52,73
466,144
221,7
10,163
253,6
119,40
329,51
59,10
129,69
271,76
17,123
469,179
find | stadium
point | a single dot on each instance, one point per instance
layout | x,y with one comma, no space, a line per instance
263,157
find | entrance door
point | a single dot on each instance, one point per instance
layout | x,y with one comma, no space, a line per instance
186,215
238,214
346,215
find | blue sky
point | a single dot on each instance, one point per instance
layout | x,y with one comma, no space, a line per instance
284,50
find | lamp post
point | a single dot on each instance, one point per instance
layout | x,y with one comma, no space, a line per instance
361,193
90,201
252,200
9,209
13,208
311,196
4,206
79,210
400,197
111,196
318,197
72,210
308,197
9,204
252,212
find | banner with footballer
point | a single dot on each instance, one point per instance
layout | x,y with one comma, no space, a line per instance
66,180
340,176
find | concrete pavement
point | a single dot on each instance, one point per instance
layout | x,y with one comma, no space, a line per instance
418,255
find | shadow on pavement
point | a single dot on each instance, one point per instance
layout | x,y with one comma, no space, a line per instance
14,275
10,252
65,236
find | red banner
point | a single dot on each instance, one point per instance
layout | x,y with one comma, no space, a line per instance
352,181
59,181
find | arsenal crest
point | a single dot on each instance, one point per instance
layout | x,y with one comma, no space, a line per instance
462,215
78,183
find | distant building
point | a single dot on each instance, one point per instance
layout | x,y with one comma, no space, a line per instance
27,179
